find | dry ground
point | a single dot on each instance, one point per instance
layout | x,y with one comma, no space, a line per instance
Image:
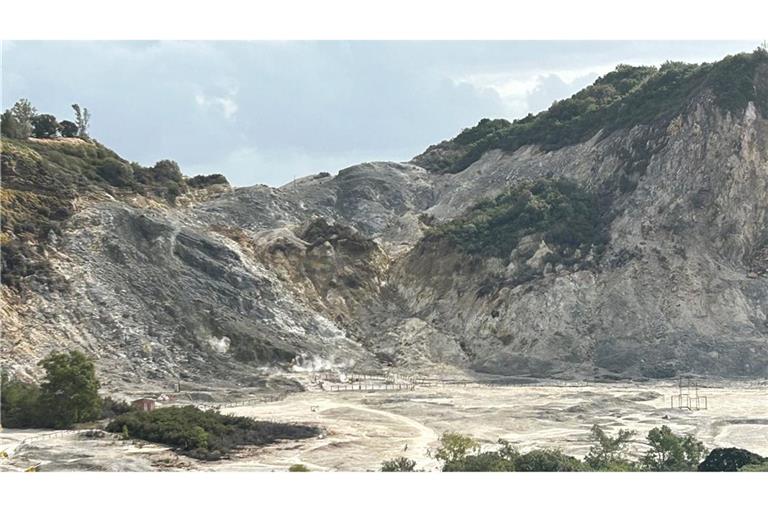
363,429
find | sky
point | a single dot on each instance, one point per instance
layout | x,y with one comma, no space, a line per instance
269,111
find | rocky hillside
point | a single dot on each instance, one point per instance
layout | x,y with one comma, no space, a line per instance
621,233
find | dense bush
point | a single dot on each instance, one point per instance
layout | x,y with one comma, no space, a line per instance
567,217
202,181
548,460
201,434
730,459
19,404
115,172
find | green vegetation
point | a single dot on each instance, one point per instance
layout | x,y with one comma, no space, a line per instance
623,98
298,468
398,465
206,435
568,218
755,468
43,177
68,395
732,459
668,452
202,181
609,453
672,452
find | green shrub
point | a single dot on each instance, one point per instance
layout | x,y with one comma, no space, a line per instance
205,435
548,460
202,181
298,468
730,459
116,173
19,404
398,465
567,217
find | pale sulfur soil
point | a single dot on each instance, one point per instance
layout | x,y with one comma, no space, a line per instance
363,429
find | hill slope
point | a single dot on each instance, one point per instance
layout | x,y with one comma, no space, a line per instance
622,233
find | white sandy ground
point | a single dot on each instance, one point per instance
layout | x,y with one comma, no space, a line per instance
363,429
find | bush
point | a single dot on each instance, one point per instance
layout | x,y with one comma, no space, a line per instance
398,465
202,181
298,468
116,173
730,459
19,404
111,407
548,460
206,435
564,214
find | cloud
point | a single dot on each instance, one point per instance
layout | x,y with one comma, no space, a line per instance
225,105
263,111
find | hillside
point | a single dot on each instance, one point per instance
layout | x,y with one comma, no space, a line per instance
623,233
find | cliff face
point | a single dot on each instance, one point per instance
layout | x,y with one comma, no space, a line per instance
636,250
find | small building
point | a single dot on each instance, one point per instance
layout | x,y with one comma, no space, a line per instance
143,404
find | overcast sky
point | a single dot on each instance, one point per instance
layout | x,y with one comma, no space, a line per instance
264,112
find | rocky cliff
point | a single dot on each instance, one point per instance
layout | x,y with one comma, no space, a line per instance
621,233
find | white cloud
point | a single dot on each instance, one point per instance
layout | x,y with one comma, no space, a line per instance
226,105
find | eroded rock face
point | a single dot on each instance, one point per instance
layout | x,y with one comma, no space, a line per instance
334,271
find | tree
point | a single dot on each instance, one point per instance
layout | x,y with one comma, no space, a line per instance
69,393
454,447
44,126
19,403
607,453
670,452
82,119
23,111
68,129
398,465
9,126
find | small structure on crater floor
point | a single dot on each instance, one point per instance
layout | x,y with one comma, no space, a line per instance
143,404
688,396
